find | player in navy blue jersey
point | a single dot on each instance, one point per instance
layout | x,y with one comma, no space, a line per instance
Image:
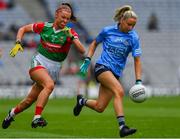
117,42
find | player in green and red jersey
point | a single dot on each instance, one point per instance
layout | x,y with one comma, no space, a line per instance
56,40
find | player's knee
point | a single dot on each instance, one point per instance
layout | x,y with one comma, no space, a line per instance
119,93
100,109
49,87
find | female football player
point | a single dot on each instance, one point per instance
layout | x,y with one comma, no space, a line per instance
56,39
117,42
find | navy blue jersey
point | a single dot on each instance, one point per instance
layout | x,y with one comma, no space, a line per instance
116,48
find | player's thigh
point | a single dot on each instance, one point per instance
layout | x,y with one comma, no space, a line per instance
41,77
108,80
105,95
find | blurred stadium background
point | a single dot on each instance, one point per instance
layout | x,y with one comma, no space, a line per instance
160,44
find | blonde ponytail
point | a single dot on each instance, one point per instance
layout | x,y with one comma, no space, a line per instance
124,12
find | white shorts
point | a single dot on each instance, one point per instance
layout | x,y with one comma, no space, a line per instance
53,67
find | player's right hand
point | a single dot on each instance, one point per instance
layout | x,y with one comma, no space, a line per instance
67,31
16,48
85,65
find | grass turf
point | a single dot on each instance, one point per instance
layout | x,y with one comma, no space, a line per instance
156,118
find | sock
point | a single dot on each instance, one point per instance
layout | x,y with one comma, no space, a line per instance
14,111
17,110
36,116
82,101
12,114
38,110
121,121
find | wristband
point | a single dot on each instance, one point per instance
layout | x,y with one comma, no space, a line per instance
138,81
19,42
88,58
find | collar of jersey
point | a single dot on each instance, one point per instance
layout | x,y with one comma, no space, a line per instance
56,31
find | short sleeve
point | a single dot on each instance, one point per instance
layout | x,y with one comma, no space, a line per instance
38,27
136,49
100,36
76,36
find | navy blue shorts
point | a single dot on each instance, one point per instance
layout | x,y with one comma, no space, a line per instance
99,68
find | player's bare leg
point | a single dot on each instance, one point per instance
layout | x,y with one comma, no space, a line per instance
24,104
42,77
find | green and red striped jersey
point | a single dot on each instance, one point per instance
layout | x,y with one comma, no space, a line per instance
55,44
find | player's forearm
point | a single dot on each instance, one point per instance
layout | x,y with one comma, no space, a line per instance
80,47
92,49
23,30
138,68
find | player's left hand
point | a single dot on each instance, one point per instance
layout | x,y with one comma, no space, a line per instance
138,81
85,65
67,31
15,49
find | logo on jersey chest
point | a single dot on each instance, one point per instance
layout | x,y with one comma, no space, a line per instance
55,39
119,40
61,39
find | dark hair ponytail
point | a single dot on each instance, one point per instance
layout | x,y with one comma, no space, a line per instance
73,18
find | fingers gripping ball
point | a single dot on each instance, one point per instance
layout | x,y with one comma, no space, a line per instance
138,93
15,49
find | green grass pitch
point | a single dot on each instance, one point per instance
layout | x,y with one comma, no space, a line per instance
156,118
